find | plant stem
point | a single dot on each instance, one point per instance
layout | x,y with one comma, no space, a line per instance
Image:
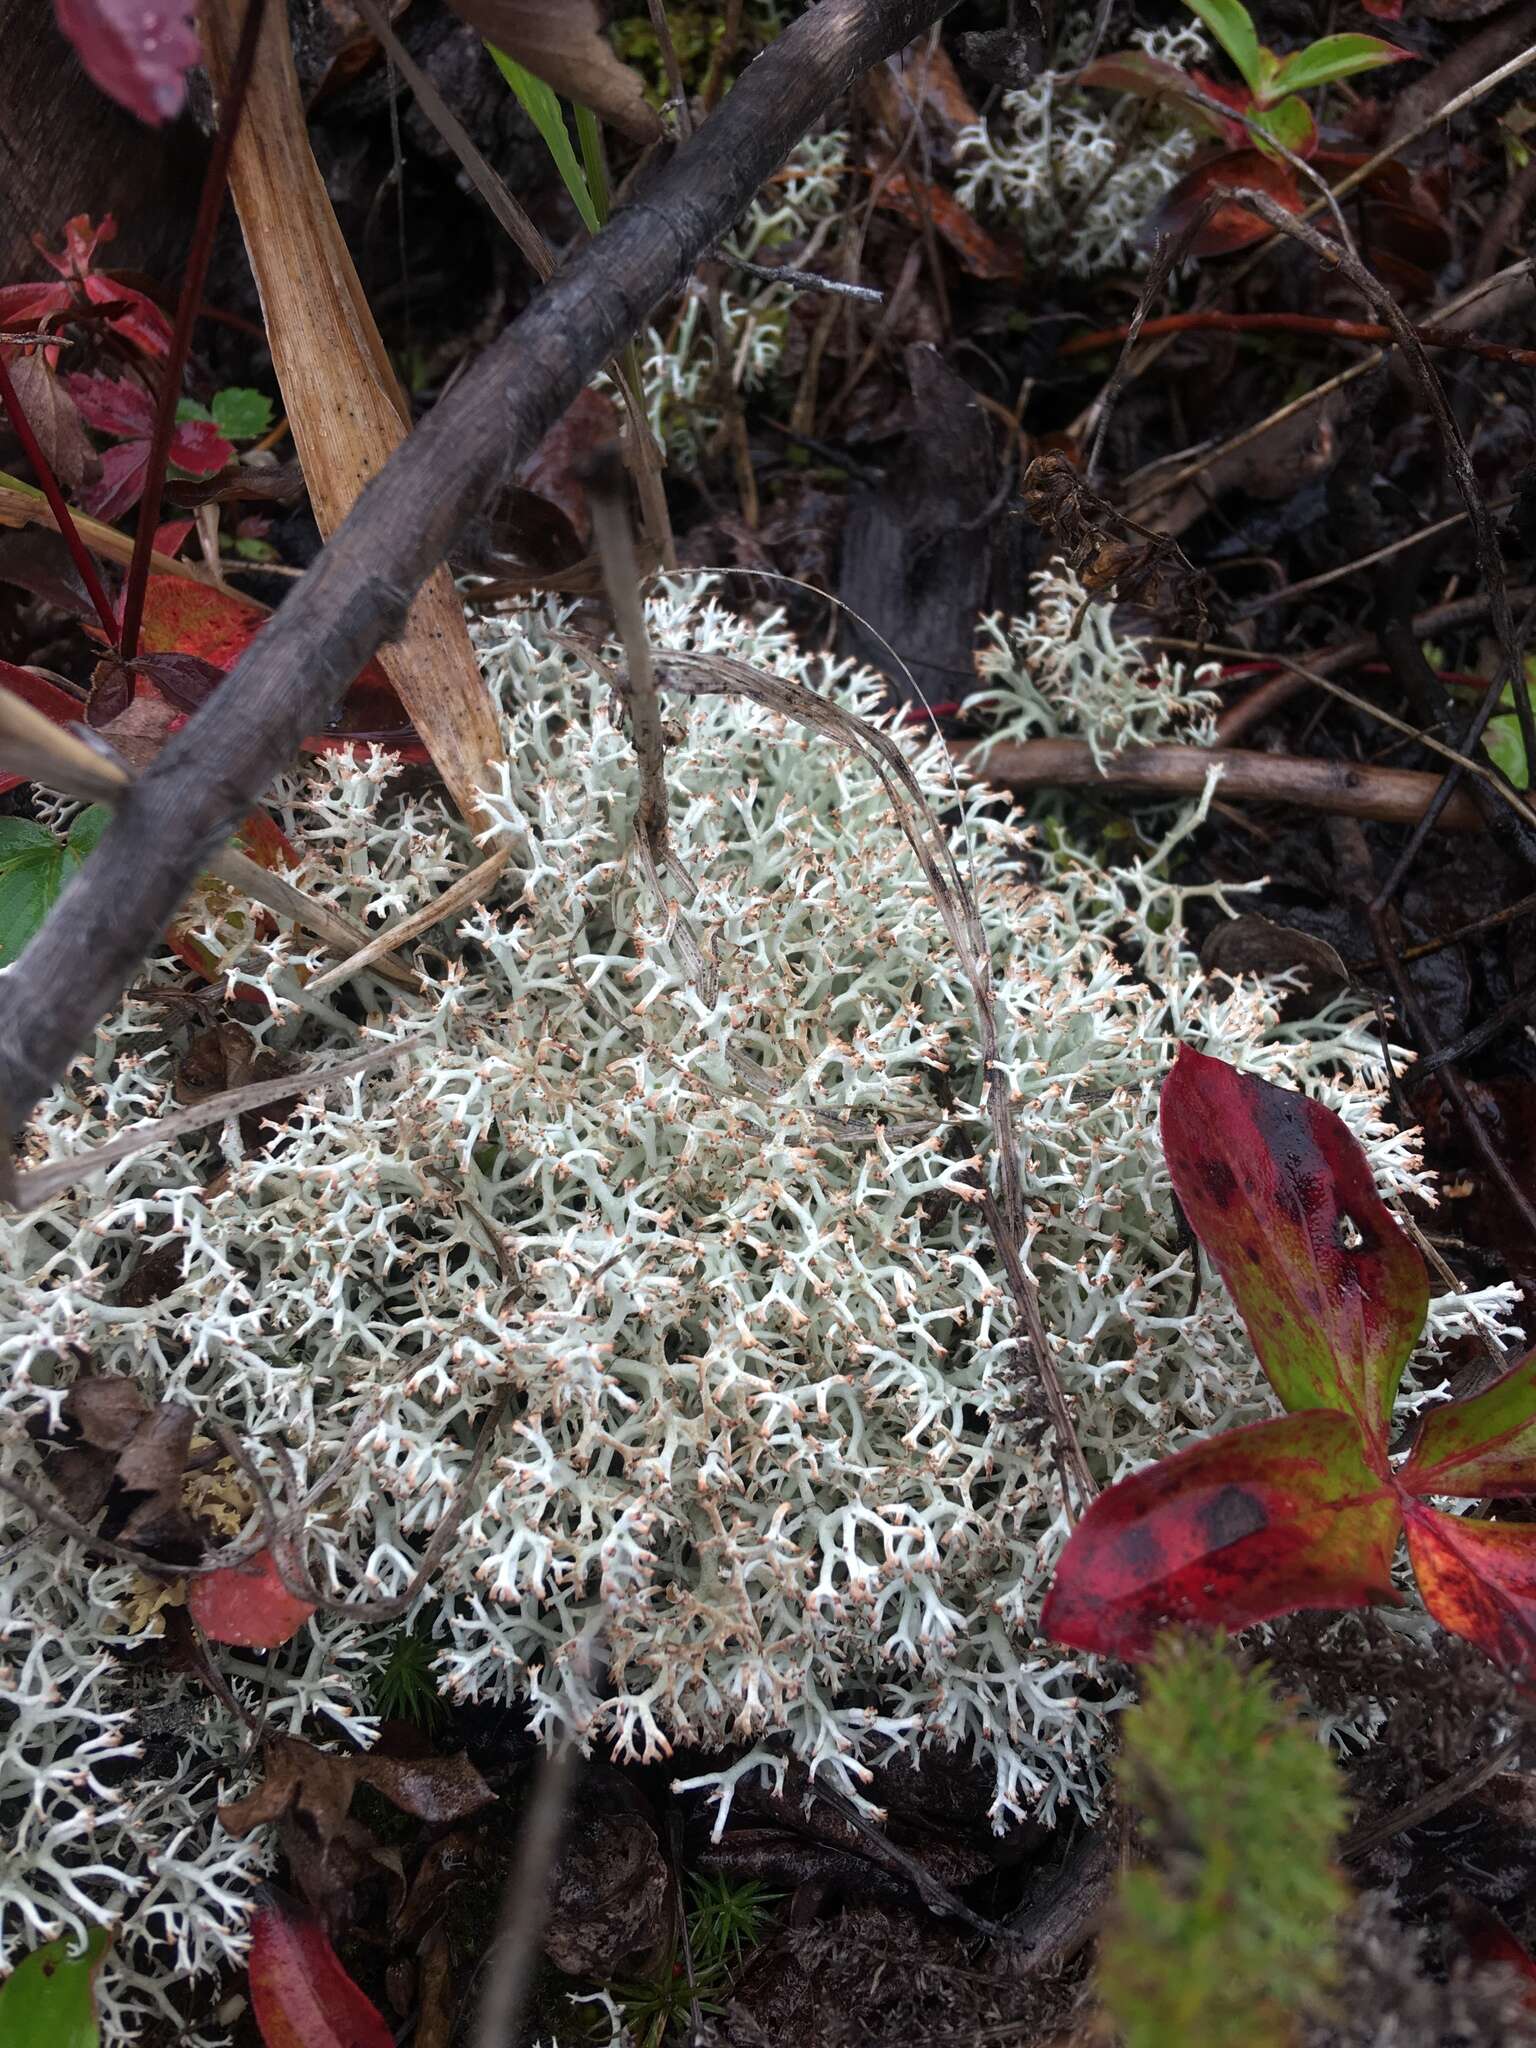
214,180
69,532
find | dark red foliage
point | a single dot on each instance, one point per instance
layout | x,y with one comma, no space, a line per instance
1306,1511
130,314
115,405
1280,1195
300,1994
137,51
1231,225
1244,1526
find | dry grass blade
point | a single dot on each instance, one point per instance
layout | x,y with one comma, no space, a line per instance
30,1190
26,507
468,889
342,398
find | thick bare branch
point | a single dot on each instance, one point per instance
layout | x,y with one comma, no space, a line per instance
360,589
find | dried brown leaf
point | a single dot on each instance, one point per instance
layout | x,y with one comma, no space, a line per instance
562,42
307,1795
55,419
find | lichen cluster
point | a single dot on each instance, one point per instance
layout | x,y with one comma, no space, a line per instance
1079,172
761,1474
680,365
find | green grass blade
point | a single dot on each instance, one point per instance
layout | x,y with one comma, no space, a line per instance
590,135
542,105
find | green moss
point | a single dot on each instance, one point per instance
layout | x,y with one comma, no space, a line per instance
1228,1935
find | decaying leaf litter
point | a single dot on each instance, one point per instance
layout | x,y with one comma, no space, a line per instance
644,1223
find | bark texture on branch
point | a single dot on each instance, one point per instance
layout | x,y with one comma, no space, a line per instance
360,589
1395,796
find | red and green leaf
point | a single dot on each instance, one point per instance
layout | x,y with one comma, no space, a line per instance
1482,1446
1479,1581
1244,1526
300,1994
247,1604
1281,1196
49,1999
1332,57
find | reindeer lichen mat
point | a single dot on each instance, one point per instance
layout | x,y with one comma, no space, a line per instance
690,1189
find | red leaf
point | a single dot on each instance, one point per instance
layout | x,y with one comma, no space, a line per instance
1152,78
113,405
979,253
1281,1196
186,617
124,466
137,318
1384,10
1489,1940
198,446
1246,1525
300,1994
1479,1581
247,1604
137,51
1232,225
1484,1445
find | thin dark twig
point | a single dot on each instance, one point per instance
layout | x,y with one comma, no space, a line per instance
215,178
492,189
525,1901
1481,1034
1455,1087
1485,538
803,280
48,483
1170,249
1460,1785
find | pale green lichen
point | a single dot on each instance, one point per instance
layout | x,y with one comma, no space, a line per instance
1079,172
761,1477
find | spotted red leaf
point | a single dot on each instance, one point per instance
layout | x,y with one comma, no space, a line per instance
1483,1445
1246,1525
1479,1581
247,1604
1232,225
300,1994
137,51
1281,1196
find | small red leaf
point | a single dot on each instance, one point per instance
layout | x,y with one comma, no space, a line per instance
1479,1581
120,486
1484,1445
300,1994
247,1604
198,446
979,252
112,405
1489,1940
137,51
1278,1192
1232,225
1246,1525
1384,10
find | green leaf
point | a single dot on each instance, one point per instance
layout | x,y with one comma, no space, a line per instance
1232,25
34,867
49,1999
1289,123
87,829
542,105
1483,1445
31,876
241,414
189,409
1506,750
1334,57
